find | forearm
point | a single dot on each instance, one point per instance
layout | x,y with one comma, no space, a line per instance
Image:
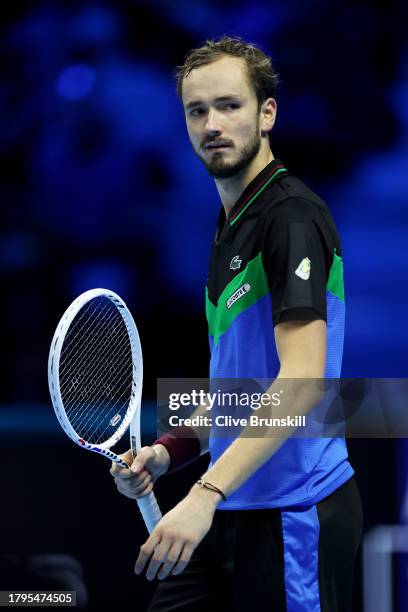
247,453
183,444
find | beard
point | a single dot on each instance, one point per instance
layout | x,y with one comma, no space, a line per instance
218,168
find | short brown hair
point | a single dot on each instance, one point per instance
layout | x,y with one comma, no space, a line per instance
261,72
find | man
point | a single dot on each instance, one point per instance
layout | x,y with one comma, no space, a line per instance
275,523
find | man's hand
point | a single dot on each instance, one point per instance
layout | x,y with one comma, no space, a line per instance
177,535
137,480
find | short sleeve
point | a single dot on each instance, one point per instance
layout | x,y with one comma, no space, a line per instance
296,257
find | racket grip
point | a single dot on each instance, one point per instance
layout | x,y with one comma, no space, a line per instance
150,511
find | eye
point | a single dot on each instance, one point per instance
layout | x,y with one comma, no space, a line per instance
196,112
231,106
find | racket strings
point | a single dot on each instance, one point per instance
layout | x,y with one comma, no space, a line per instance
80,374
96,371
105,365
95,341
88,374
83,323
85,422
99,400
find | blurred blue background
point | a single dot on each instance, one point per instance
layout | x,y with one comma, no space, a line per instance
99,186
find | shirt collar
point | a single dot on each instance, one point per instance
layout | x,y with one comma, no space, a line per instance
274,170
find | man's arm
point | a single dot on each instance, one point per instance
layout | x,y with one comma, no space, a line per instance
302,352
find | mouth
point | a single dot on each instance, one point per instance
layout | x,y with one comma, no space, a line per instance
217,146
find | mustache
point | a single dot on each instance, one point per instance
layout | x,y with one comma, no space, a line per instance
217,141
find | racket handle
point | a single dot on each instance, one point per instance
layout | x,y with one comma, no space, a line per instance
150,511
148,505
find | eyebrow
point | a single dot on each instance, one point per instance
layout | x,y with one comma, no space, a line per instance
195,103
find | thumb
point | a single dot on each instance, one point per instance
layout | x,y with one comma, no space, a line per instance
141,459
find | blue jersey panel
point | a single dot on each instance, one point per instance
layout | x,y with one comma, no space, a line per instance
336,314
247,349
302,471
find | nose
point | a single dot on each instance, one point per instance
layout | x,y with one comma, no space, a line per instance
212,126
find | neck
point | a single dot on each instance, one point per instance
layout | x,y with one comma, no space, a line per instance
230,189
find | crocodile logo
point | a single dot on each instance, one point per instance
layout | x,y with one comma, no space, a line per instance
235,263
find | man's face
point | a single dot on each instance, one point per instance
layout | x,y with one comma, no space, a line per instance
222,116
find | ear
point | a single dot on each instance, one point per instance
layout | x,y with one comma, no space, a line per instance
267,115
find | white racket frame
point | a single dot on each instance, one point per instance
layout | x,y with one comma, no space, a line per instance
148,504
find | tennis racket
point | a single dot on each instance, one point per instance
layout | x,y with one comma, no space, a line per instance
95,378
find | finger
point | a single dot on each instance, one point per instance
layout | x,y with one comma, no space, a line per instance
121,472
126,486
127,474
184,559
115,469
138,464
134,492
130,479
146,551
148,490
133,481
158,558
141,488
172,558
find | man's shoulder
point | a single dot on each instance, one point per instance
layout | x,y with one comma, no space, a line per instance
293,200
296,203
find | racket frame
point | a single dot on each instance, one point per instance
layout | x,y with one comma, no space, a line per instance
147,504
132,416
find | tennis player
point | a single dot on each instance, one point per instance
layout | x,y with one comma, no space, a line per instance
274,523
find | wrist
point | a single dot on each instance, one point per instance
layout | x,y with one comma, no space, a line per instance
182,446
164,457
205,497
